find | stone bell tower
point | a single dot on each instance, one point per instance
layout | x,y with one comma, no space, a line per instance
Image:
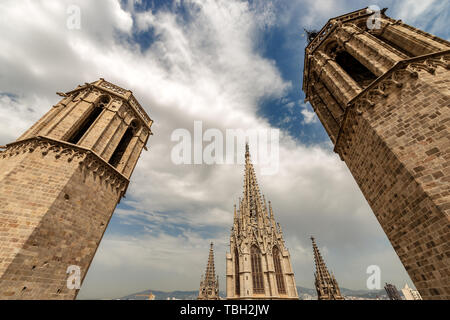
381,88
59,185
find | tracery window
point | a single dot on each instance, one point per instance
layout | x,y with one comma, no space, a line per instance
257,273
355,69
278,271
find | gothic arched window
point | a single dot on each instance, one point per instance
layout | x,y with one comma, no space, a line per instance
355,69
363,76
278,271
257,273
237,282
85,124
123,144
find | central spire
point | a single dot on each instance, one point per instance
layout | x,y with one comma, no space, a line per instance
252,200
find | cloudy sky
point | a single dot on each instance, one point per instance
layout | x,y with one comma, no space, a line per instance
232,65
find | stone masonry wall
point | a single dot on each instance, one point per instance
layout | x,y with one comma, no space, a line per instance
53,214
399,154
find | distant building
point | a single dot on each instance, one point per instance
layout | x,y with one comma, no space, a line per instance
326,285
392,292
209,285
411,294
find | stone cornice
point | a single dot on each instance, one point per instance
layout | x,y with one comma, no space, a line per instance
331,24
86,158
121,93
380,88
325,32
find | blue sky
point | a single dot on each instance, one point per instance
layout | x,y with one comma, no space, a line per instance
230,64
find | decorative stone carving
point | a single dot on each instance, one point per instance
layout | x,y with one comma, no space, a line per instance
333,23
69,152
395,78
254,225
114,88
139,109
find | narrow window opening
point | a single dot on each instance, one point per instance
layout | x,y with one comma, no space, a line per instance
123,145
363,76
85,125
257,274
90,119
278,271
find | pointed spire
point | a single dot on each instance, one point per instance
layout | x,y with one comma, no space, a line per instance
252,197
270,210
326,285
210,274
266,212
256,227
209,286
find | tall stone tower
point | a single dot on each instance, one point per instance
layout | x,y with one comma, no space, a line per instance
259,264
209,285
381,88
59,185
326,285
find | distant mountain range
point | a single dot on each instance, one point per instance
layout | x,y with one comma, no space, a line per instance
162,295
302,291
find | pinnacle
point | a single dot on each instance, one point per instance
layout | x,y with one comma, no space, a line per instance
210,269
323,277
209,283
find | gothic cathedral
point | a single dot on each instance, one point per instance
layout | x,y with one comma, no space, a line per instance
59,185
258,265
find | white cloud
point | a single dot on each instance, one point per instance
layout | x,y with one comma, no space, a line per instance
309,116
411,9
